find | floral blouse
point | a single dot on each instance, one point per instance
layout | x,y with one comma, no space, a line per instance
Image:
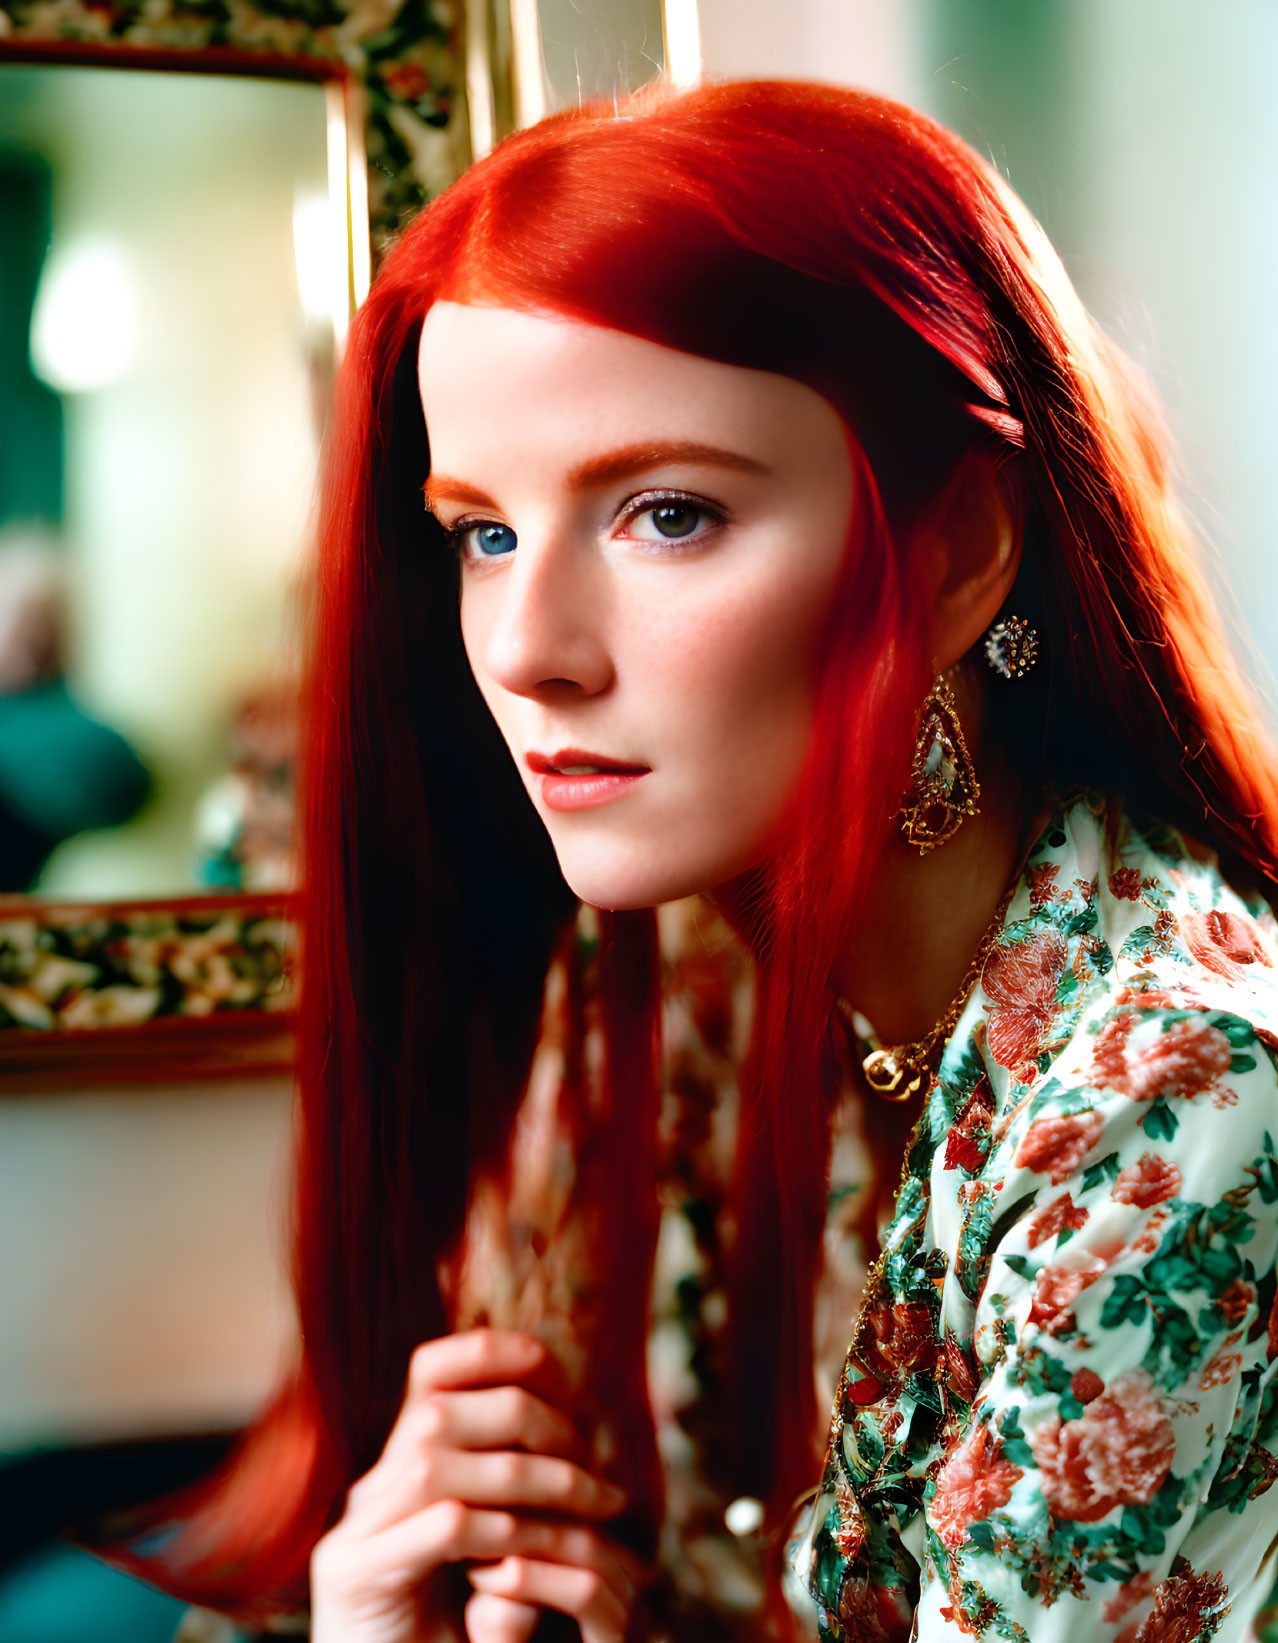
1059,1416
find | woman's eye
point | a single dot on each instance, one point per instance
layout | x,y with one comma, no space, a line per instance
485,540
673,521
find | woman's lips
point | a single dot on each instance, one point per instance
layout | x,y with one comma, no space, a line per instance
575,780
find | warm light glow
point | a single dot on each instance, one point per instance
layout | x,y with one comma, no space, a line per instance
531,100
683,41
84,330
314,246
348,117
479,88
348,203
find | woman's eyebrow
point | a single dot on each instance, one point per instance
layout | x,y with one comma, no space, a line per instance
607,468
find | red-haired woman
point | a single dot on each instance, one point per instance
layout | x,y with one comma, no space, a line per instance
727,494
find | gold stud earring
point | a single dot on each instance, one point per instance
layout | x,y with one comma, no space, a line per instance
943,790
1011,647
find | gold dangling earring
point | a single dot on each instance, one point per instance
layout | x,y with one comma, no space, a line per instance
943,789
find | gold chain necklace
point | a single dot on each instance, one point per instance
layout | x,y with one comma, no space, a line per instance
899,1071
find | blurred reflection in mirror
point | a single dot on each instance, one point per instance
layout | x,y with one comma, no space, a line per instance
172,293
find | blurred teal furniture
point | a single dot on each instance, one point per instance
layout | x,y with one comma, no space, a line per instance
61,1595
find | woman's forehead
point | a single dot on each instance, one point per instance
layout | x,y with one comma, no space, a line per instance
486,369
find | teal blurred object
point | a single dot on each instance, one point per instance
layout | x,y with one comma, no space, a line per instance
61,1595
31,420
60,773
61,770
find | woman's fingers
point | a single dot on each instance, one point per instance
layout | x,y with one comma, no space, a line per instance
448,1531
483,1357
452,1532
508,1477
492,1619
599,1605
569,1567
500,1417
402,1484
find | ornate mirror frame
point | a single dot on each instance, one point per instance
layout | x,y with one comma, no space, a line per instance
415,89
200,986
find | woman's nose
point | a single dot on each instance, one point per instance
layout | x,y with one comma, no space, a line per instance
547,632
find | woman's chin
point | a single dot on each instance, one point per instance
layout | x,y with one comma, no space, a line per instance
622,886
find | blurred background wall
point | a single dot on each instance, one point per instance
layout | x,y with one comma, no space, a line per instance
1142,135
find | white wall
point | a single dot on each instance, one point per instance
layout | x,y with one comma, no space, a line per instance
142,1285
869,43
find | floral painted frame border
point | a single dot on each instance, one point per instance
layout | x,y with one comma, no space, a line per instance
401,63
204,985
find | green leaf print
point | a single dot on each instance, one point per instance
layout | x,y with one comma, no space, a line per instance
1174,1349
1137,941
1106,1170
1240,1033
1125,1303
1013,1441
1264,1169
1160,1123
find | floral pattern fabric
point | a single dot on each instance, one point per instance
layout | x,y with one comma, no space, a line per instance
1059,1415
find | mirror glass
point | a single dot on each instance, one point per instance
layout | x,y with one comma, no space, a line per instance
173,290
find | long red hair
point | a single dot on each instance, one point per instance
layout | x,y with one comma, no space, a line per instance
842,240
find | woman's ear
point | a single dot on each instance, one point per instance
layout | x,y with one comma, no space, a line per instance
968,543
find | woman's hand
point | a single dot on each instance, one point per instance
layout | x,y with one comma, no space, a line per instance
480,1469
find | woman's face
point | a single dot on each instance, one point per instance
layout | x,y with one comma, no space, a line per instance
650,542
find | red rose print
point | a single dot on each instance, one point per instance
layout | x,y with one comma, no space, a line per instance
1042,883
1117,1453
1020,982
905,1336
1151,1180
1062,1212
1086,1384
1221,1370
960,1369
1228,943
1057,1146
967,1142
1236,1300
1124,883
977,1478
1151,1235
1056,1289
1185,1060
1128,1595
1184,1605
